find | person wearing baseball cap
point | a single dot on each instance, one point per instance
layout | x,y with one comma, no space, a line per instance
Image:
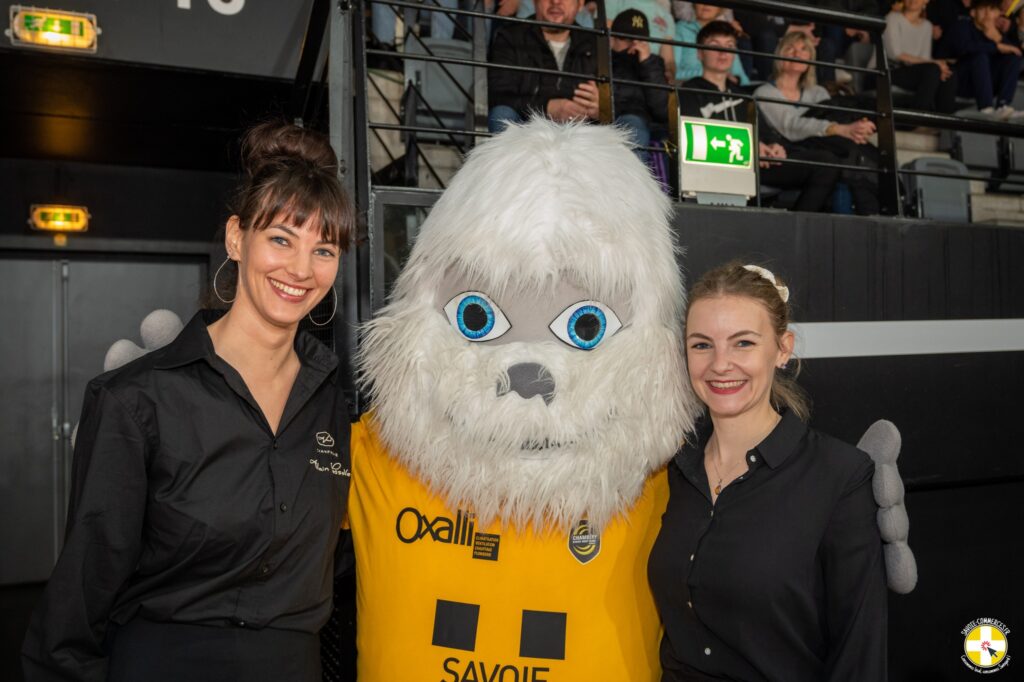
632,60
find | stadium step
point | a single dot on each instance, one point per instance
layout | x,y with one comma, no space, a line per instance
1002,209
912,140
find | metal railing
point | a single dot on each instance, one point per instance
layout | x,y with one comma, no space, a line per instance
471,23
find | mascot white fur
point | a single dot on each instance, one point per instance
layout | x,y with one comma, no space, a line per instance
528,388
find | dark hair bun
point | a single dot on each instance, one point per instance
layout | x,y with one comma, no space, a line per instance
275,142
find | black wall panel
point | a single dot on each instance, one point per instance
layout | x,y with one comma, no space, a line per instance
849,269
125,202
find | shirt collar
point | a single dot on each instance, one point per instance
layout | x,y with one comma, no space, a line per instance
194,344
783,440
775,449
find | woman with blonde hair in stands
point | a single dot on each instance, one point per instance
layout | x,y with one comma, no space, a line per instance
768,564
795,85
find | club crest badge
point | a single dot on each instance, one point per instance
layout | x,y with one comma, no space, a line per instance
584,544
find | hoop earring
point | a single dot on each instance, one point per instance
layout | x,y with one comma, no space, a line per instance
215,276
333,311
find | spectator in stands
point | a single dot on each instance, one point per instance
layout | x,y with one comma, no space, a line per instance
908,45
987,66
660,23
687,64
815,183
525,9
636,107
516,95
796,83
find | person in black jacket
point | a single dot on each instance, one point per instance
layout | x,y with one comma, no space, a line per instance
637,107
816,183
987,66
516,95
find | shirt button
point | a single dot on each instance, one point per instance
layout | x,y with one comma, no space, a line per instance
692,556
707,651
690,604
284,507
264,569
275,444
240,623
712,513
753,458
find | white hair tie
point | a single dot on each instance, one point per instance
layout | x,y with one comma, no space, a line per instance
767,274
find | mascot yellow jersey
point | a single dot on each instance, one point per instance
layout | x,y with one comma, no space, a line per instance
441,599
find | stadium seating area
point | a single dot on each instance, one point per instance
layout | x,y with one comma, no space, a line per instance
428,76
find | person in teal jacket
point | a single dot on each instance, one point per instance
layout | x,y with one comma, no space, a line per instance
687,64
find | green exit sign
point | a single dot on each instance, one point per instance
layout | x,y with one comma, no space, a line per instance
718,144
41,24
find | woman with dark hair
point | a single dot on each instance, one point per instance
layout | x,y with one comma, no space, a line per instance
210,477
768,565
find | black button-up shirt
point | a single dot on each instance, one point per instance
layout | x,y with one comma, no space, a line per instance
186,507
782,578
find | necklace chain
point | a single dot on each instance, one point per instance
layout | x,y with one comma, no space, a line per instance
718,472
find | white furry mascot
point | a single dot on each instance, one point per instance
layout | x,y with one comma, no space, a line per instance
528,388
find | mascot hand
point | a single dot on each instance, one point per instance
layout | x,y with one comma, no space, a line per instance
158,329
882,443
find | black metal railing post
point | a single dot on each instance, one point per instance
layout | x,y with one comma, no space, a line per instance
888,180
309,55
605,88
479,118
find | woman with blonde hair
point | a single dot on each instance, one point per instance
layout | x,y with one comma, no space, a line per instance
768,564
794,83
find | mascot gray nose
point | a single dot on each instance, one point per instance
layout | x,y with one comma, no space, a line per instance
529,379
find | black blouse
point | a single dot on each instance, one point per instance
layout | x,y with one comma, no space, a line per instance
782,578
186,508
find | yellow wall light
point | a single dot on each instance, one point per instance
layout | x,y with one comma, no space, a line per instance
59,218
53,29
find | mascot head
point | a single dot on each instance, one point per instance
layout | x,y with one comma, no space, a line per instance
529,361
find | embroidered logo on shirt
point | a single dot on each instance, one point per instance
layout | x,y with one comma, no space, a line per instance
324,443
334,468
584,545
986,645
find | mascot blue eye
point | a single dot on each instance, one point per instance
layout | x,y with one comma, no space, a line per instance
586,324
476,317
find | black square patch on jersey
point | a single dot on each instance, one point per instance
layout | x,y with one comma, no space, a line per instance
543,635
455,625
